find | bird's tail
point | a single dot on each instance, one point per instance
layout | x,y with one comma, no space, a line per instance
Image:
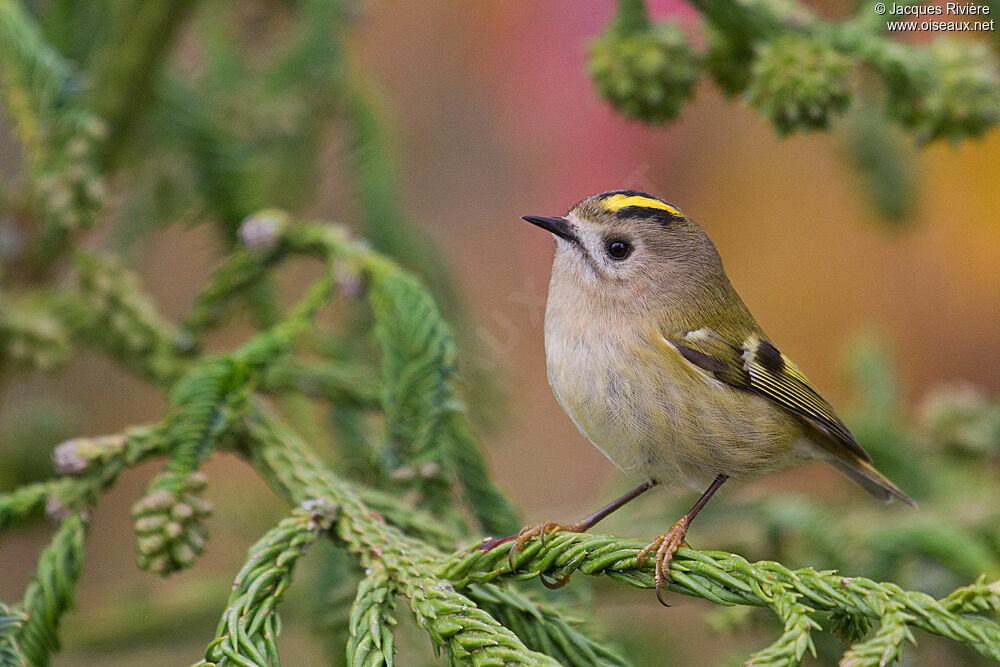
871,480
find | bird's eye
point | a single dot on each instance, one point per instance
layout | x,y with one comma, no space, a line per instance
619,249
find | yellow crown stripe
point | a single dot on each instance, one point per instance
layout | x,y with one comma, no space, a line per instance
618,202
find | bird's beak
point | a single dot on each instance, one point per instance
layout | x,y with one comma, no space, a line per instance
561,227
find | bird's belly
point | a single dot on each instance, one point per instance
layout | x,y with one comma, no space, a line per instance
679,426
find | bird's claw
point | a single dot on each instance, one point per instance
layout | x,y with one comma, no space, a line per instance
555,584
529,533
664,546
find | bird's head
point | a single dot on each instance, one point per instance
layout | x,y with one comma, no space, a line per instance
625,243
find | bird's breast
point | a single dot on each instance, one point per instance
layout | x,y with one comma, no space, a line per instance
649,410
593,369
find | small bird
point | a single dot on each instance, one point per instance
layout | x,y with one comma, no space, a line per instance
658,362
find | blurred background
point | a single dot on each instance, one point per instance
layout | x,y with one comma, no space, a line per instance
488,114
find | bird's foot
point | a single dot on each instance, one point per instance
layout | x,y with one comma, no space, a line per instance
664,547
529,533
540,530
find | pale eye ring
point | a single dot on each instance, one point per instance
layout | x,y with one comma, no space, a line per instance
618,249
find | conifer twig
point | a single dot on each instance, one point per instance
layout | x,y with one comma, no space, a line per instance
248,631
728,579
458,628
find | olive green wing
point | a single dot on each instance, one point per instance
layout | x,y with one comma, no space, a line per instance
756,365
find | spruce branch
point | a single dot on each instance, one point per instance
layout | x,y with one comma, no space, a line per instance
169,531
849,626
795,68
403,549
89,465
52,589
24,501
249,628
457,627
492,509
796,639
59,134
204,403
886,647
422,525
122,68
417,362
31,338
799,83
546,627
980,596
338,383
11,622
241,271
214,156
370,642
645,71
427,427
109,310
728,579
418,365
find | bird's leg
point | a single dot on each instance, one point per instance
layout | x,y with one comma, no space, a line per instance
667,544
530,532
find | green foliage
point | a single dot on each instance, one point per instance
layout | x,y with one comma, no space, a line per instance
11,622
371,642
51,590
457,628
796,69
23,502
801,72
109,310
645,71
962,421
423,417
27,435
728,579
32,338
168,523
546,628
59,136
728,58
406,484
848,626
417,372
884,161
249,628
467,620
139,36
886,647
799,83
950,90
